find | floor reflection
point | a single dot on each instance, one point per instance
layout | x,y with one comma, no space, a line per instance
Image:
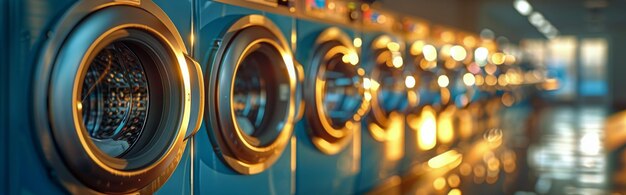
569,157
556,150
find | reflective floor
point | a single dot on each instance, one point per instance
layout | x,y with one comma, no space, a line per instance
547,150
568,155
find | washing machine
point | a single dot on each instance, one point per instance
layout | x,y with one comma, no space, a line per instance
245,144
451,86
382,137
467,117
103,98
421,120
328,136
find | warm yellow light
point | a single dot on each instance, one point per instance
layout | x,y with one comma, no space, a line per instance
454,192
351,58
445,50
397,61
508,161
510,168
491,80
469,79
331,5
381,19
361,71
394,148
394,137
479,80
493,138
416,48
469,41
393,46
491,69
365,6
439,183
345,59
382,42
294,34
502,80
427,133
465,169
445,127
454,180
357,42
458,53
445,95
451,157
192,38
467,120
367,84
447,36
509,60
374,85
412,97
443,81
551,84
430,53
409,81
377,132
367,96
450,64
508,99
426,65
493,164
479,170
498,58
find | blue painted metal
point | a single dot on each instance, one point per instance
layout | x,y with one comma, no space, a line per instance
27,24
211,174
316,172
375,168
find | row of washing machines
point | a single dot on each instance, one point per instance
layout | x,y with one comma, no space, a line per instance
231,97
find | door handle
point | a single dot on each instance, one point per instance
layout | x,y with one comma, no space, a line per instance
197,96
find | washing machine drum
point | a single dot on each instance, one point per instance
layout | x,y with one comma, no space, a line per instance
252,95
389,95
334,99
117,100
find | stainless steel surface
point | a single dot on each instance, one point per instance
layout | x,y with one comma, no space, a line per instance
115,99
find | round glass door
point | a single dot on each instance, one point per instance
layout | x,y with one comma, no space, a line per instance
389,93
113,108
115,99
252,96
335,95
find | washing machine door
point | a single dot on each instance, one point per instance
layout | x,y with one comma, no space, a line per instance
388,89
252,95
423,66
335,99
115,98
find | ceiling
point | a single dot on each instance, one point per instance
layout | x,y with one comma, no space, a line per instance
570,17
